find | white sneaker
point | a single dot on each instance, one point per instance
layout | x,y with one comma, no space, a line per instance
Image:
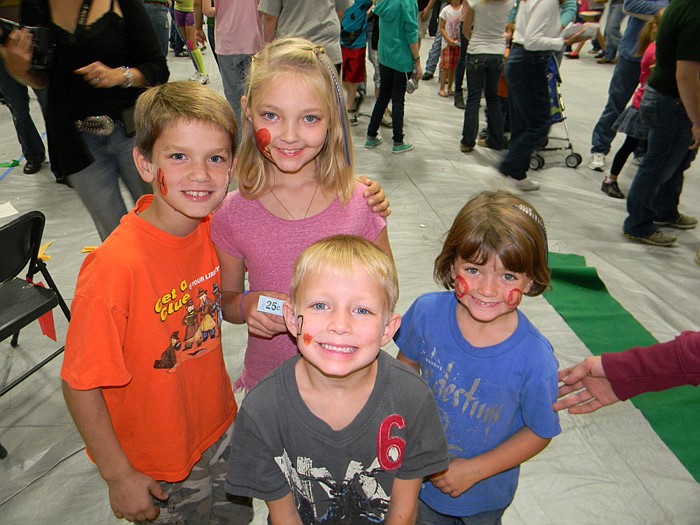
637,161
527,184
597,162
200,77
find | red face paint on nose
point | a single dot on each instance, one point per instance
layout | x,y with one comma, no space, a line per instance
514,298
461,287
162,186
262,139
307,339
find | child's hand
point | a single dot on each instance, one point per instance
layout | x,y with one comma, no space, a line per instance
262,324
130,496
375,196
457,479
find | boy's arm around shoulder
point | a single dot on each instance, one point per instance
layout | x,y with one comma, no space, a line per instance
463,473
130,491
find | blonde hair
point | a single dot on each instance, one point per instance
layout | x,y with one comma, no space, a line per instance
158,107
334,163
647,35
340,254
497,223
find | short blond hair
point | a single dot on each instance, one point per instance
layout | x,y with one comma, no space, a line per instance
313,68
160,106
497,223
339,254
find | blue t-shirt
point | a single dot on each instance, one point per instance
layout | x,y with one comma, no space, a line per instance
354,24
484,395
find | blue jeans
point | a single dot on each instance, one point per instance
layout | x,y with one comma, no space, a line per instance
17,99
392,87
158,13
483,73
528,107
657,186
234,71
434,55
623,82
98,184
612,28
462,62
428,516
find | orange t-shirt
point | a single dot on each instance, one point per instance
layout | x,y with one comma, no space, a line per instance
146,328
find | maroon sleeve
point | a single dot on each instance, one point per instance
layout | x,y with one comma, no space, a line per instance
656,367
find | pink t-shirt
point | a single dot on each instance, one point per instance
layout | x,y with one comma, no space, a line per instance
238,29
270,246
648,61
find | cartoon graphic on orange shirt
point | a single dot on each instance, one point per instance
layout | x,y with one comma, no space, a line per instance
200,324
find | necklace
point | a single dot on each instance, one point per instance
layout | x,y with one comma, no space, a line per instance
289,212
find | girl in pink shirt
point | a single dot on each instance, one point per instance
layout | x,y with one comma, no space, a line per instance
295,186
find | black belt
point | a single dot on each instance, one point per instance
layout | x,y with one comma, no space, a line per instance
515,44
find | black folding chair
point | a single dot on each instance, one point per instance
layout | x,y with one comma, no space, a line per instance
22,302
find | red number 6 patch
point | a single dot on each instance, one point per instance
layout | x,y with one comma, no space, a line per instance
390,448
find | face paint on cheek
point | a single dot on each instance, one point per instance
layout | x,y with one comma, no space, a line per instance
262,139
514,298
461,287
307,339
162,186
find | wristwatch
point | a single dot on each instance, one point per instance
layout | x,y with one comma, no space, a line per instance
128,77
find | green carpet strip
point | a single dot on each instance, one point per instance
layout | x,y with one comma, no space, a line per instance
604,326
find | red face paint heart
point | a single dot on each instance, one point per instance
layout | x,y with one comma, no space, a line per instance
307,339
262,139
514,298
461,287
162,186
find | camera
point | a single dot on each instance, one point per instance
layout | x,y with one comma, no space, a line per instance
43,45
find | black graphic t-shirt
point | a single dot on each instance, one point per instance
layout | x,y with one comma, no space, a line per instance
343,476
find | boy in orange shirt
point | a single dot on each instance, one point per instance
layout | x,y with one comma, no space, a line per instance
155,412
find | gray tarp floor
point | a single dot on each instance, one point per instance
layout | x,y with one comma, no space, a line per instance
605,468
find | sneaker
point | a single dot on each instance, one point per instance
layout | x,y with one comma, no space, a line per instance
465,149
401,148
597,162
527,184
352,118
655,239
683,222
373,142
427,76
202,78
182,54
386,122
612,190
606,60
637,161
697,257
573,55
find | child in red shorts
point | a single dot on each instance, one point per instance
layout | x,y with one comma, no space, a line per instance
353,42
450,17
